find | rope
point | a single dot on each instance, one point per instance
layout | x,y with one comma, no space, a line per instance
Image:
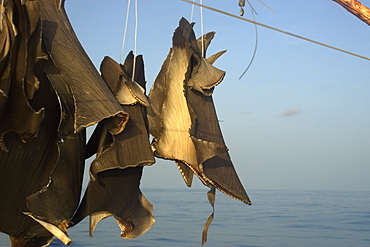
202,26
192,12
135,40
125,31
278,30
255,48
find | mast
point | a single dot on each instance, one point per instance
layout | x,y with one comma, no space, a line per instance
356,8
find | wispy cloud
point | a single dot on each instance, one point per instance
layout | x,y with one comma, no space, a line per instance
291,112
245,113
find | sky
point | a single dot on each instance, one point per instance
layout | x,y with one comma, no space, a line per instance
298,119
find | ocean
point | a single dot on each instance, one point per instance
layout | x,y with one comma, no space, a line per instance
276,218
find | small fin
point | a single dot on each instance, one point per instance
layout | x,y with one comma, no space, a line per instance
206,40
214,57
95,218
137,92
205,77
186,172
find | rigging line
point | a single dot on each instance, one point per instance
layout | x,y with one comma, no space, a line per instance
192,12
253,10
267,7
135,40
125,31
202,26
277,30
255,47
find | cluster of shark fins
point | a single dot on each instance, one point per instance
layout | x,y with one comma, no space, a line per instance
50,93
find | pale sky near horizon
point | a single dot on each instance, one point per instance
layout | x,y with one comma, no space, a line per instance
298,119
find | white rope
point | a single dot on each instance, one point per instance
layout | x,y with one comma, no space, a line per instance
135,40
125,31
192,12
255,46
202,26
201,21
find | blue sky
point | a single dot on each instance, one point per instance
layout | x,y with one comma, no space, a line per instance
298,119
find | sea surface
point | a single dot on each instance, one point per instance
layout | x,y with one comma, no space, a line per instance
276,218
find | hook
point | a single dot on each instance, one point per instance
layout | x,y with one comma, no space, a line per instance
241,5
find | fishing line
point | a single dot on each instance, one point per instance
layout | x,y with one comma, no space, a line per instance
135,40
192,12
125,31
277,30
255,46
254,12
202,26
267,7
201,22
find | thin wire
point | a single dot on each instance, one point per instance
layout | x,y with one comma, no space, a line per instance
255,48
135,40
267,7
125,31
192,12
278,30
251,6
202,26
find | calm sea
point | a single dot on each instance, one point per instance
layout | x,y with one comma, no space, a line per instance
276,218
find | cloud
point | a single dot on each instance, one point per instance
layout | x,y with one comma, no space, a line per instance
245,113
291,112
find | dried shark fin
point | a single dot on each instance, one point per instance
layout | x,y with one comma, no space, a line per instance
169,117
25,169
7,40
54,205
127,91
205,77
186,173
206,133
183,120
115,173
182,117
128,228
131,148
21,51
76,70
33,47
116,192
45,174
20,37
